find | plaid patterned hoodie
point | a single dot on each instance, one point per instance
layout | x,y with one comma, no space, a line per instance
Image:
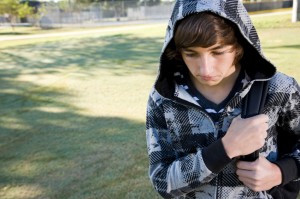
187,158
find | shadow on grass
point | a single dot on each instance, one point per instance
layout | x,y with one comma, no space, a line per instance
82,157
48,148
118,54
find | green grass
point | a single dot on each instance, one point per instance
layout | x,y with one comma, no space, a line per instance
73,111
280,42
274,21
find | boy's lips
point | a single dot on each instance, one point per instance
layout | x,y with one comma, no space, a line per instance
207,78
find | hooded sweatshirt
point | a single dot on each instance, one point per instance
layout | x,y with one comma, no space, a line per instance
187,158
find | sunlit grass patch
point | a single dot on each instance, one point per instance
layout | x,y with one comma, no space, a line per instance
274,21
21,192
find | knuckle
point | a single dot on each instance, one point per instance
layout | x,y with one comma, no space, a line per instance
236,120
256,183
267,118
262,143
255,188
262,137
252,122
256,170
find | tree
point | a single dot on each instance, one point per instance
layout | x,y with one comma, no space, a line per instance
296,11
13,9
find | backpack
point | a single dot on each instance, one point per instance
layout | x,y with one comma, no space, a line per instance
252,105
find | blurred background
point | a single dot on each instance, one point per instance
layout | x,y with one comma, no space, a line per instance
63,13
74,82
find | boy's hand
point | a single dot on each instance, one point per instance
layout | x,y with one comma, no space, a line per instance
245,136
260,175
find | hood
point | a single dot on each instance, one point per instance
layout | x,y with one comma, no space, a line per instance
254,62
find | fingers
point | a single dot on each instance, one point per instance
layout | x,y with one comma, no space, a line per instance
245,165
253,185
255,123
262,118
258,175
247,177
245,136
260,121
244,173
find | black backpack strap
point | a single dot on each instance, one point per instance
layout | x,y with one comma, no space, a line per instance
252,105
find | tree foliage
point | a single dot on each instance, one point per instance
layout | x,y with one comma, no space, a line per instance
14,9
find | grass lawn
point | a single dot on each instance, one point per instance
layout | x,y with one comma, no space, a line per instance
73,110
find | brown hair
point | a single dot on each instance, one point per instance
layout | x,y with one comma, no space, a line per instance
203,30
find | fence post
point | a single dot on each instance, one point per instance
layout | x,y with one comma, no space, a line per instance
296,11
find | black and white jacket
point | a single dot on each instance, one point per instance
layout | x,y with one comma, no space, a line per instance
187,158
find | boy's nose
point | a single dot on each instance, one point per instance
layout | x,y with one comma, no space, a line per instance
205,68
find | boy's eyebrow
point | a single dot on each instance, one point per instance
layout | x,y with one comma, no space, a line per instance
218,47
188,49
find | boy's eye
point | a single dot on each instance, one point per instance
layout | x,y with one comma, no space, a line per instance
218,52
190,54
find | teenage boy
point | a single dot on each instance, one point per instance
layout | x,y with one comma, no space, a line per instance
195,134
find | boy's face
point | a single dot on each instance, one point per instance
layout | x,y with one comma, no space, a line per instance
210,66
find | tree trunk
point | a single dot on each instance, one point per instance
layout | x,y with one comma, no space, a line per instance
12,21
296,11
